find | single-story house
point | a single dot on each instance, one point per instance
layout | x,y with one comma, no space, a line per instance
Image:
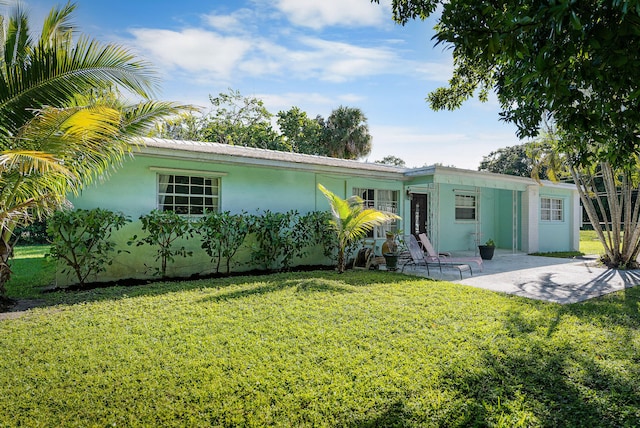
457,208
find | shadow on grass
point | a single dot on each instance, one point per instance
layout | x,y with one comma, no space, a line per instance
305,281
621,309
542,388
303,285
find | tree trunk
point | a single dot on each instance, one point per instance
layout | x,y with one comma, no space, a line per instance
341,265
5,270
621,244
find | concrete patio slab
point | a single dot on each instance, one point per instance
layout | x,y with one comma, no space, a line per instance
543,278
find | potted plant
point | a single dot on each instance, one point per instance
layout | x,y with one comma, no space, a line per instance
390,251
486,250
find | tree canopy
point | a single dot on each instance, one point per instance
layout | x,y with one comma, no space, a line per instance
301,133
512,160
574,62
392,160
245,121
346,133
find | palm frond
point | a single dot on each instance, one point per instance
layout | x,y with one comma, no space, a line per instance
17,39
139,119
31,162
58,26
54,75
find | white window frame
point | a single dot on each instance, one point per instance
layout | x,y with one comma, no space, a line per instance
383,200
469,203
551,209
202,192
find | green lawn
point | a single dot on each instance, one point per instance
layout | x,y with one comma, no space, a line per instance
31,272
320,349
589,243
314,349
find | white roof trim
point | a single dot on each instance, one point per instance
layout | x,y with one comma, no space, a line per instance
437,170
225,153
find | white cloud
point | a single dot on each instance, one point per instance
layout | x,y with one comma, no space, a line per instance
339,62
237,22
317,14
434,71
213,56
227,23
244,44
193,50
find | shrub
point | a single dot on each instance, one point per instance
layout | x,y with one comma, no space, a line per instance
222,235
80,239
163,229
319,230
279,239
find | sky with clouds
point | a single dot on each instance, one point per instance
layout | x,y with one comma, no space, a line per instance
316,55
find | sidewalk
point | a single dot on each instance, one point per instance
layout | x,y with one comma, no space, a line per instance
543,278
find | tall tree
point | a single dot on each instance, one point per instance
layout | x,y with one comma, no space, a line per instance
233,119
346,133
241,121
184,126
59,129
609,195
300,133
572,62
245,121
512,160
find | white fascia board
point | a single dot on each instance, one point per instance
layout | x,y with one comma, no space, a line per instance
206,157
441,172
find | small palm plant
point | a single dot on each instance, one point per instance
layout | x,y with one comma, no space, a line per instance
352,220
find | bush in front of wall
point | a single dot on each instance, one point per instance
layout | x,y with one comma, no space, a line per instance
222,235
280,237
81,239
163,229
318,229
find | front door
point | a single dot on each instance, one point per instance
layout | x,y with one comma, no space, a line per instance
418,213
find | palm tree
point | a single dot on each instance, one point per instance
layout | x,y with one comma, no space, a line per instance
352,220
58,129
347,133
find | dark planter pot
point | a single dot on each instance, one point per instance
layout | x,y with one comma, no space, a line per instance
486,252
391,261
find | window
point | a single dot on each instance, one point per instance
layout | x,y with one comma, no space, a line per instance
551,209
188,195
383,200
466,207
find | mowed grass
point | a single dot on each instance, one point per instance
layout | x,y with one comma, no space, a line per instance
589,243
320,349
31,272
314,349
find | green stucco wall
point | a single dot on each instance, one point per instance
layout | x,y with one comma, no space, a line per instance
132,189
556,235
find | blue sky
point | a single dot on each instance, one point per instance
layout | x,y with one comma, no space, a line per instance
313,54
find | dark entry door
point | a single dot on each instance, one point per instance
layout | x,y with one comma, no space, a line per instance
418,213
